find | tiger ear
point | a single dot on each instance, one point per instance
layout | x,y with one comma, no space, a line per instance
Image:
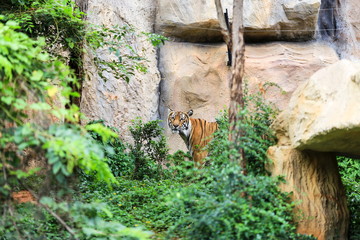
190,113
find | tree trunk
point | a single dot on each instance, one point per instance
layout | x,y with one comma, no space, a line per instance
238,59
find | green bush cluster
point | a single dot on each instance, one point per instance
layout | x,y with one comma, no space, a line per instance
144,158
350,176
233,206
221,202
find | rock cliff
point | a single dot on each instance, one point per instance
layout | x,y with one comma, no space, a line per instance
113,100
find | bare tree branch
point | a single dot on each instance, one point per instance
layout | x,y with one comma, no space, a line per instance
61,221
225,31
237,96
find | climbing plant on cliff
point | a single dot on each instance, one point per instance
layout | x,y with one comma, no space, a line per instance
68,35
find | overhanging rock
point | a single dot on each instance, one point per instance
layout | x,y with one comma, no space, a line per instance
324,113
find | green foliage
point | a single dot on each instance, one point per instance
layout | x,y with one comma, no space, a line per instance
26,72
60,23
32,81
119,160
256,139
87,221
27,216
144,158
233,206
88,218
149,150
135,202
221,202
125,60
350,176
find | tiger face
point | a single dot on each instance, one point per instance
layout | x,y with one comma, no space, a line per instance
179,121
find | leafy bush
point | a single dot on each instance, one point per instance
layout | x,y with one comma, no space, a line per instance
350,176
222,203
32,81
118,158
144,158
233,206
257,138
135,202
149,150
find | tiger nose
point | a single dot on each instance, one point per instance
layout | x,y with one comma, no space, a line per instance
176,125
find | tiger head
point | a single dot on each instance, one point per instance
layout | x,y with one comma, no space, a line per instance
179,121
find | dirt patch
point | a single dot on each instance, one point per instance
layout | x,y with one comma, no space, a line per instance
22,197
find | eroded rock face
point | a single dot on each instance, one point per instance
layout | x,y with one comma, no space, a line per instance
314,180
339,24
321,121
115,101
196,21
323,113
349,42
287,65
193,77
289,20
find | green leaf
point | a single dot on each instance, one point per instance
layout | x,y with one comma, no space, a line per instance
56,167
65,171
53,159
20,104
37,75
91,231
40,106
8,100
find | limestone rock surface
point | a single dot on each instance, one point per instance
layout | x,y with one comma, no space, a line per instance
196,21
349,42
194,77
286,65
315,183
114,100
323,113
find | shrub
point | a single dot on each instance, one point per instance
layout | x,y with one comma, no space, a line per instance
221,202
118,158
149,149
350,176
257,138
230,205
32,81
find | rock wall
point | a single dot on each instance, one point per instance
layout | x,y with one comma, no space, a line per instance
321,121
285,64
339,24
314,180
193,65
114,100
196,21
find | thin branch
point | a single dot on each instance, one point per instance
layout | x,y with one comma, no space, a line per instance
224,29
61,221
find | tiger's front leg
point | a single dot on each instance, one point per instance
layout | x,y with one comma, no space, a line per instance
199,158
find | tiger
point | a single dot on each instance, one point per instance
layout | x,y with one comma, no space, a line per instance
196,133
